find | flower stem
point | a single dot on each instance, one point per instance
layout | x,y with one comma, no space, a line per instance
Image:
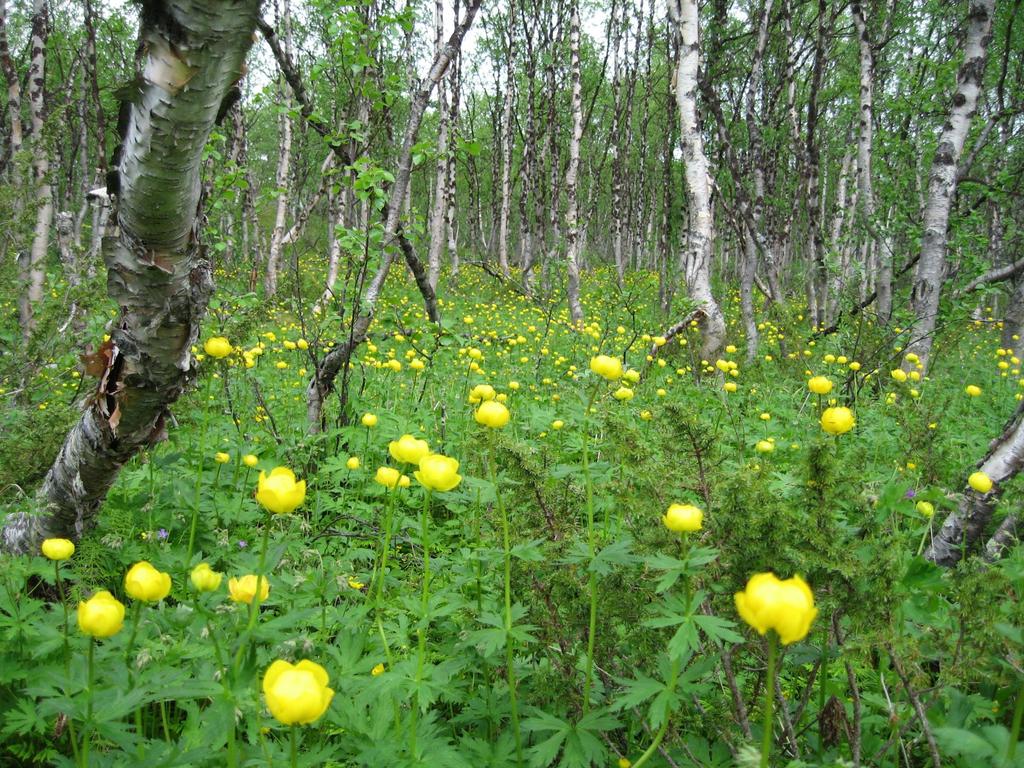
64,603
509,645
382,570
769,698
295,747
199,477
1018,715
673,676
421,630
254,604
592,581
87,730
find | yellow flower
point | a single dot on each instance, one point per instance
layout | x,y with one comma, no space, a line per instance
973,390
222,458
683,518
837,421
438,473
481,392
926,508
404,481
355,583
557,424
369,420
623,393
144,582
204,578
297,694
492,414
408,449
606,367
250,460
729,386
624,762
820,385
764,446
632,376
353,462
377,670
101,616
854,366
388,477
243,590
217,346
58,549
302,344
784,606
278,492
899,374
980,482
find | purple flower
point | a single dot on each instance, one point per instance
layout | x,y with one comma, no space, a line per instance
162,534
911,493
242,544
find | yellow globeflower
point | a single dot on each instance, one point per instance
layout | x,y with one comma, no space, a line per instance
980,482
764,446
144,582
632,376
101,616
973,390
683,518
217,346
58,549
820,385
408,449
729,386
899,374
369,420
297,694
837,421
204,578
557,424
222,458
389,477
492,414
606,367
353,462
623,393
438,473
250,460
278,492
926,508
784,606
243,590
481,392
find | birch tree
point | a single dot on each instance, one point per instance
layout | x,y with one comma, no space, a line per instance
942,179
572,224
157,271
697,252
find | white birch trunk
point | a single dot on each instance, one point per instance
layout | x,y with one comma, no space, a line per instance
572,224
157,272
931,269
697,258
506,160
439,213
282,177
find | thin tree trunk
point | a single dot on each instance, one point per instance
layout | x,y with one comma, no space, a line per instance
439,214
451,225
157,272
697,262
931,269
283,175
506,154
15,139
572,224
33,272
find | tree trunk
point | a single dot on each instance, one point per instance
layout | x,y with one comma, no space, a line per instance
697,263
963,528
283,176
572,224
439,214
507,139
14,137
931,269
451,225
33,272
157,272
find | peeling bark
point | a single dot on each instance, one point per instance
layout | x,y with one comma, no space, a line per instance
157,270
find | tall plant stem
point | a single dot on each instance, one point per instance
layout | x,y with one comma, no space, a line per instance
592,580
254,604
673,676
87,730
199,475
769,697
421,630
509,645
1018,715
295,747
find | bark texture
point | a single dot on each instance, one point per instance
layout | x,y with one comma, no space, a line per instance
697,256
966,526
572,219
931,269
193,53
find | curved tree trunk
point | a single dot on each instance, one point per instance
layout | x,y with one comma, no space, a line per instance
931,269
697,259
157,272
